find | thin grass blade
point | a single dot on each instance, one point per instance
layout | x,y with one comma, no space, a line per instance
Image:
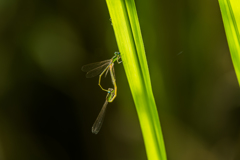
129,39
230,10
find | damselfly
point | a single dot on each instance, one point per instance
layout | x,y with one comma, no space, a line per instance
99,121
102,67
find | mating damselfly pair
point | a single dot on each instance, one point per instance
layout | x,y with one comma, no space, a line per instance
99,68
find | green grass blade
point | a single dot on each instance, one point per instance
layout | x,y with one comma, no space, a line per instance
129,39
230,10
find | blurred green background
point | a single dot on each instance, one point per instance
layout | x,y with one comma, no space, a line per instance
47,106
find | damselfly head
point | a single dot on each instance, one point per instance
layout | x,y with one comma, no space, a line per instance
117,53
109,90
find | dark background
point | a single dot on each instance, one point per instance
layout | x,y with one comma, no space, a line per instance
47,106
